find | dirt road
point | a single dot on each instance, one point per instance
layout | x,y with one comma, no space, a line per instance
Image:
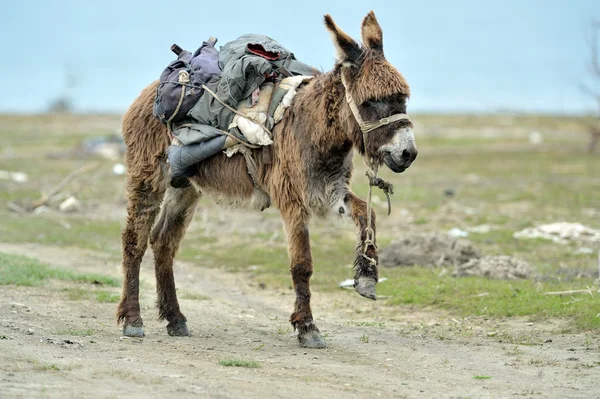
374,350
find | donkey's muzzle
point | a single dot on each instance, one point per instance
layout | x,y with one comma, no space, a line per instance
399,162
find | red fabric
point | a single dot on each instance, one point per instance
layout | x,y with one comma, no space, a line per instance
259,50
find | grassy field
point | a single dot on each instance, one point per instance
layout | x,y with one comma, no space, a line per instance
497,176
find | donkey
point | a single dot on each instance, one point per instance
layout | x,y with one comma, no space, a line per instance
308,175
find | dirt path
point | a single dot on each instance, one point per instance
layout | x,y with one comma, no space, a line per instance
373,352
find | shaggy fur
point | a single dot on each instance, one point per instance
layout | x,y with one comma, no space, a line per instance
309,174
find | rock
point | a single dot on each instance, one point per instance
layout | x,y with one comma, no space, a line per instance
456,232
481,229
17,177
494,267
584,250
536,137
428,249
118,169
71,204
41,209
561,232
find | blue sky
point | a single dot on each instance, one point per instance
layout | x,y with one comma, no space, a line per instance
461,55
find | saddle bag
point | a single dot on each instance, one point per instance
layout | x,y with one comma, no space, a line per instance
180,83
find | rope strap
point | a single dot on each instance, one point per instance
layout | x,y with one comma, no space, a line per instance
183,79
371,168
367,127
235,111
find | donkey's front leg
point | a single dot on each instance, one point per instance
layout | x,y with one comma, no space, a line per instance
366,261
296,226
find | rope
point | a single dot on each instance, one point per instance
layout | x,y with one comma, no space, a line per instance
226,133
183,78
243,147
235,111
371,168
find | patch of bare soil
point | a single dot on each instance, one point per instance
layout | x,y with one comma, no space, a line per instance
374,350
438,249
497,267
428,249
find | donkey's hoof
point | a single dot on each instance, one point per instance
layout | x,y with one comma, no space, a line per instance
178,329
365,286
133,331
311,339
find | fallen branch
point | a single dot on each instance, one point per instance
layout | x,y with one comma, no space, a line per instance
15,208
562,293
56,190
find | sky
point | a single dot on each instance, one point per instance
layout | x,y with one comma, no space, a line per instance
458,56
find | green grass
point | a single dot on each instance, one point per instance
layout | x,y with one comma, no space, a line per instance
25,271
422,287
239,363
79,294
482,377
193,296
80,232
498,179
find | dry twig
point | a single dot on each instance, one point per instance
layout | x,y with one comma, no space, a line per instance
56,190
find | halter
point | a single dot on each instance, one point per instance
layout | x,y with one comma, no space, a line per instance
371,166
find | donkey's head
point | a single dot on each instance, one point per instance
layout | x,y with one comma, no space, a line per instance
376,96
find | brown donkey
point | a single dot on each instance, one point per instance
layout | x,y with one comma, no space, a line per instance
309,174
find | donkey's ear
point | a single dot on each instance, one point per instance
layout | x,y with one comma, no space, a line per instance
371,32
347,50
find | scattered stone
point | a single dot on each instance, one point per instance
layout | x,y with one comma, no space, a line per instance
30,331
536,137
492,334
428,249
481,229
110,147
494,267
62,342
41,209
548,341
561,232
585,250
17,177
71,204
456,232
118,169
20,306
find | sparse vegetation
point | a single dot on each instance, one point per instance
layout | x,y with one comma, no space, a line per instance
239,363
482,377
498,178
193,296
21,270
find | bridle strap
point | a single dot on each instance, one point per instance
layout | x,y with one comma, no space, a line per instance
371,168
367,127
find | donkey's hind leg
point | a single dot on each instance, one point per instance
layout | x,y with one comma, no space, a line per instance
143,203
178,209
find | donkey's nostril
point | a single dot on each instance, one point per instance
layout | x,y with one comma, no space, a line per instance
406,155
414,155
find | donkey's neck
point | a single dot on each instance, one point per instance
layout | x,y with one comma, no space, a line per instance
325,108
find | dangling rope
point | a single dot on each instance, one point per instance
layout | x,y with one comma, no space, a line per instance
371,167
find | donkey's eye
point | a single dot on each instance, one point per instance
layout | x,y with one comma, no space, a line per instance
376,104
